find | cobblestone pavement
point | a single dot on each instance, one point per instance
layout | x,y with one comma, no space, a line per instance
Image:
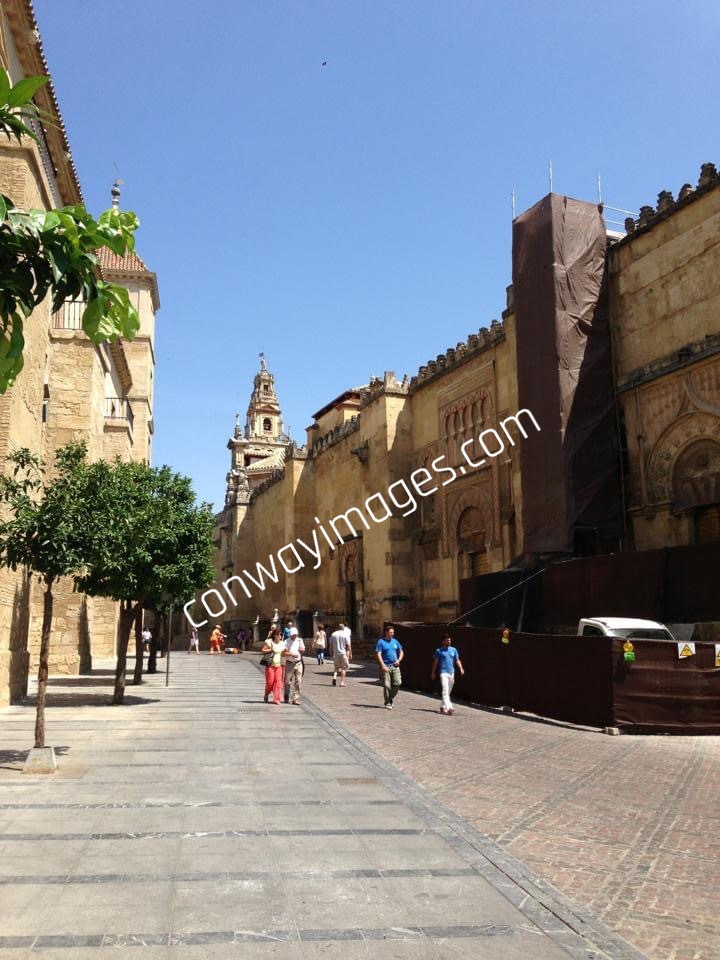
629,827
197,822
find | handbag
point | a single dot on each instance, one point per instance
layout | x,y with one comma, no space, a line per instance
266,660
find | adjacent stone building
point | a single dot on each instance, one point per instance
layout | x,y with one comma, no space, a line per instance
613,343
69,389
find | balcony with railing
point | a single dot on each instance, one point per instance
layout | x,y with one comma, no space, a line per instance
69,316
119,412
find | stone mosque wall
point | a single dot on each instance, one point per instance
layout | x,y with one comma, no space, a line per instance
664,293
665,310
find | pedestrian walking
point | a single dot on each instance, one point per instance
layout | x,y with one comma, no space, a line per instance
146,638
319,644
342,652
389,654
216,640
194,642
293,666
445,660
276,650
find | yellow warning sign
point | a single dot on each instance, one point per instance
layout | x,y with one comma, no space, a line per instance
686,650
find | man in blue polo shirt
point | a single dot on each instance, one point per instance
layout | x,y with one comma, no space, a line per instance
389,654
446,658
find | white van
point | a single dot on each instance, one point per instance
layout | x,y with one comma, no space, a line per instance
625,627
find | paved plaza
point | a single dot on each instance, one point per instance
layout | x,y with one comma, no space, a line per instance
199,822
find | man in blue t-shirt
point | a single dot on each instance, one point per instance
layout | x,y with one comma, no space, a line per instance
389,654
446,658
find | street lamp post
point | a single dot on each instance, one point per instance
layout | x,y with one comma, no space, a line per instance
169,645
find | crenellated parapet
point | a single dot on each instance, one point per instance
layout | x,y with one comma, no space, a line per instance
335,436
454,356
666,205
387,385
275,477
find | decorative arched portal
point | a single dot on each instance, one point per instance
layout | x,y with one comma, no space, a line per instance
696,486
472,540
350,558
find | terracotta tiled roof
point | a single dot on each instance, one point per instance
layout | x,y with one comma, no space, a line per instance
130,263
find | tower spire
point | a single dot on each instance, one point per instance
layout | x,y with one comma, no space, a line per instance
115,194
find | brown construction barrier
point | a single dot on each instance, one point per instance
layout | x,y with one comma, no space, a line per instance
672,585
581,680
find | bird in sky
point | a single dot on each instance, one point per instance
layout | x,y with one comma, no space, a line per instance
324,63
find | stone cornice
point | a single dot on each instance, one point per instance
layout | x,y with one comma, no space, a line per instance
28,45
686,356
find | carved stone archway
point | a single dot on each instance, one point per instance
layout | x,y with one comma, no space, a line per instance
696,475
675,448
472,499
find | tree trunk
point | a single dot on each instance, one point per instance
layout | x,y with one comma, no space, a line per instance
127,615
43,667
137,675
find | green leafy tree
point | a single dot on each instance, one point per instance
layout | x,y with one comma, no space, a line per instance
154,550
55,252
47,521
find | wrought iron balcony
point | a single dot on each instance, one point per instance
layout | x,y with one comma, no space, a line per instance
69,316
119,408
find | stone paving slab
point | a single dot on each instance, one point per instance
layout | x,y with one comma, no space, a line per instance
626,826
198,821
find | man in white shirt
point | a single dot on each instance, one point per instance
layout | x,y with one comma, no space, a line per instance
342,652
293,666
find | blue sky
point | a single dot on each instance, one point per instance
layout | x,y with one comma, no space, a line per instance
356,218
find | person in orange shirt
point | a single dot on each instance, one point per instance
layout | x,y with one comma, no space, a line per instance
216,640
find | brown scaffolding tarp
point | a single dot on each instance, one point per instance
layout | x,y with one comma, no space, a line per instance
564,368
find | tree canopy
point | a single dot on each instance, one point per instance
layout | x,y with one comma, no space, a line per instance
154,550
55,252
46,528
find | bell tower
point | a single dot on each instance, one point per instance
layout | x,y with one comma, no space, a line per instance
264,418
258,450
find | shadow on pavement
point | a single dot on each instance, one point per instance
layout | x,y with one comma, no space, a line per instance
82,681
89,700
11,759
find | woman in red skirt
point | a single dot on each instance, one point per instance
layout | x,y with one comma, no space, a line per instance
275,645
